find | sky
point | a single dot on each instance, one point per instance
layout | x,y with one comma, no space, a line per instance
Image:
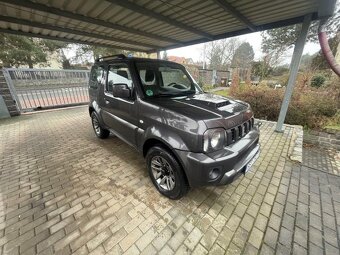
255,40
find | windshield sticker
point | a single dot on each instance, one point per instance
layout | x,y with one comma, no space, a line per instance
149,92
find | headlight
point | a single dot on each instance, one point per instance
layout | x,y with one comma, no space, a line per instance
214,139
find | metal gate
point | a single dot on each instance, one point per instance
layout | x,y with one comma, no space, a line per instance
36,89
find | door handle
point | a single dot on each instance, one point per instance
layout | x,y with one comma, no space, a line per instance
107,102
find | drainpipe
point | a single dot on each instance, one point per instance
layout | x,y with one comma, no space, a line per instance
326,50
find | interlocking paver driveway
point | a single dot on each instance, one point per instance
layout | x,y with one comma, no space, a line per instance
64,191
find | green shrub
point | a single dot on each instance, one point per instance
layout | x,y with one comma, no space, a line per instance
317,81
309,108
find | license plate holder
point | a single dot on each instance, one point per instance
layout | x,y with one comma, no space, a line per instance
251,162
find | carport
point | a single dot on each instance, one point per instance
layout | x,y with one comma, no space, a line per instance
63,191
153,26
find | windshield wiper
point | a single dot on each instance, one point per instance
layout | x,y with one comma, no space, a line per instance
177,94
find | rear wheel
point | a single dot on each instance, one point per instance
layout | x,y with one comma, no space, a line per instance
98,130
166,173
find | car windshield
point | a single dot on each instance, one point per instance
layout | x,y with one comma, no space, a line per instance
166,79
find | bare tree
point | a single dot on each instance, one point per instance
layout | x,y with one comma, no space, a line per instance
220,53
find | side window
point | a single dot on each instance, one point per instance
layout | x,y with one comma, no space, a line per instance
118,74
96,76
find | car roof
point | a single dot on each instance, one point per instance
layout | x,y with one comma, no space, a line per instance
122,58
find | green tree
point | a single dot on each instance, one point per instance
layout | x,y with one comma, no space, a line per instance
20,50
244,56
281,39
261,69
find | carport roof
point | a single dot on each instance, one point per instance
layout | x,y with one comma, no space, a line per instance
151,25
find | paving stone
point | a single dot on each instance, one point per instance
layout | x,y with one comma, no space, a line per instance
114,239
225,237
315,236
240,237
250,249
98,239
193,238
300,237
47,243
256,237
271,238
178,238
149,250
216,250
299,250
266,250
200,250
209,238
166,250
285,237
162,238
84,195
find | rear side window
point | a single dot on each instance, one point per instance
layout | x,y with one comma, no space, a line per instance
96,76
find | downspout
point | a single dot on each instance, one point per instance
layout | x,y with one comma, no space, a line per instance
326,50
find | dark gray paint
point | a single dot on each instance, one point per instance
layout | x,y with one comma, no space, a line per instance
179,123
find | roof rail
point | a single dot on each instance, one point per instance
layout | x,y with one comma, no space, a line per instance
117,56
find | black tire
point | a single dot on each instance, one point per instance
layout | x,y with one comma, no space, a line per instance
180,186
100,132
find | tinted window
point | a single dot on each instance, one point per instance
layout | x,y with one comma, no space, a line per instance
96,76
173,76
163,79
118,74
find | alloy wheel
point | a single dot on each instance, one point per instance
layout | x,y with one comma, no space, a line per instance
163,173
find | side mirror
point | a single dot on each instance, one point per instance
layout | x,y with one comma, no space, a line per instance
121,90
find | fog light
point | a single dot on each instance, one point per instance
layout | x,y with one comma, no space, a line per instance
214,173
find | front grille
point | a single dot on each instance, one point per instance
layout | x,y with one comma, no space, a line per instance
236,133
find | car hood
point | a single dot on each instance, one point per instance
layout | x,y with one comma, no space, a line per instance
214,110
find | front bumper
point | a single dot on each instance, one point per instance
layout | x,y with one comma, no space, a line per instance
221,167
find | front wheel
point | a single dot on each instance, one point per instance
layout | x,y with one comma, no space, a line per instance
98,130
166,173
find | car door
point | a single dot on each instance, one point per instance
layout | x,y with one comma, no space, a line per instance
120,114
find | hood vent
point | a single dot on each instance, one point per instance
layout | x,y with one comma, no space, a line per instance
221,104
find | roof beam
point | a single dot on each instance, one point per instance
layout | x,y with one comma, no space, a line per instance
71,31
231,9
147,12
17,32
79,17
272,25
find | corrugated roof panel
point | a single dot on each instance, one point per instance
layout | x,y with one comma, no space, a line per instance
85,7
193,17
74,6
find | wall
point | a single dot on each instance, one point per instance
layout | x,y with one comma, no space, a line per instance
7,97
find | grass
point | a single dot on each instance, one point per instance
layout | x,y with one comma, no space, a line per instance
334,122
224,92
337,127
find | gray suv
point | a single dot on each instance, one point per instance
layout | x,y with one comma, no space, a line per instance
189,138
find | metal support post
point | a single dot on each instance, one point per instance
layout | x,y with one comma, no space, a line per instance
294,67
